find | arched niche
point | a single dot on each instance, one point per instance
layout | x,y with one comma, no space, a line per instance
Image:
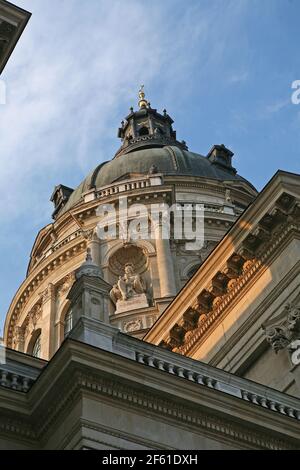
34,344
190,269
146,246
143,131
60,323
130,254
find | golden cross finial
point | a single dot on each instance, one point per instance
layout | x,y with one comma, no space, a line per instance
141,91
142,102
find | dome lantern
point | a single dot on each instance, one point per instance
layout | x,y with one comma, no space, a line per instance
147,128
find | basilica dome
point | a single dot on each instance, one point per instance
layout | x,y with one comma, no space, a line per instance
150,145
151,168
170,160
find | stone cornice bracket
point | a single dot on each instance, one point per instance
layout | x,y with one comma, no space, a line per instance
79,224
19,335
284,328
89,235
53,236
64,285
270,226
33,283
47,293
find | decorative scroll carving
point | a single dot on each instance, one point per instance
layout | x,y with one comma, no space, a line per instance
29,324
133,325
284,329
241,266
177,334
35,315
202,253
88,234
38,279
19,337
65,285
47,293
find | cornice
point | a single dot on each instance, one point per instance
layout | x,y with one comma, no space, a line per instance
237,289
15,416
135,386
15,19
87,209
34,281
79,370
78,428
251,321
130,397
252,249
10,427
144,443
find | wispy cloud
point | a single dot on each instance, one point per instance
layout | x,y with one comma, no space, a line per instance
277,106
73,71
272,109
71,78
238,77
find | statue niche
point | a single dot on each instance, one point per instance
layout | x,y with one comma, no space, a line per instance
130,291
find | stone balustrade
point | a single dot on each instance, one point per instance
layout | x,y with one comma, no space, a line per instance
161,359
15,381
129,185
123,187
226,383
67,239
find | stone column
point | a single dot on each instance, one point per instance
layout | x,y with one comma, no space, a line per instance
89,298
133,128
150,125
164,264
47,323
94,245
89,294
20,338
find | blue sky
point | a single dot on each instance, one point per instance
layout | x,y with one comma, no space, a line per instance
222,68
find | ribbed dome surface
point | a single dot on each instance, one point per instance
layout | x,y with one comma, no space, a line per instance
169,160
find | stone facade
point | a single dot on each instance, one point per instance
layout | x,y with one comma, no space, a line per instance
117,392
163,265
245,298
13,20
87,380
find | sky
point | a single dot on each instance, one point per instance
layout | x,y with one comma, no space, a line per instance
223,69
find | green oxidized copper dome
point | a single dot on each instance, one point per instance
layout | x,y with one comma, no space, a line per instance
149,144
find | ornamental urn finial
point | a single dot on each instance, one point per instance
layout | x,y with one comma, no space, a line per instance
89,267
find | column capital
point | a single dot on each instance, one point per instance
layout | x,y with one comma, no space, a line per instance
282,330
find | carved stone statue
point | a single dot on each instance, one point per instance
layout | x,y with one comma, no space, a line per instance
115,294
130,287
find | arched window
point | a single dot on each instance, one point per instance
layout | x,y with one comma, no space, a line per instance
34,345
143,131
68,323
158,131
192,271
36,350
